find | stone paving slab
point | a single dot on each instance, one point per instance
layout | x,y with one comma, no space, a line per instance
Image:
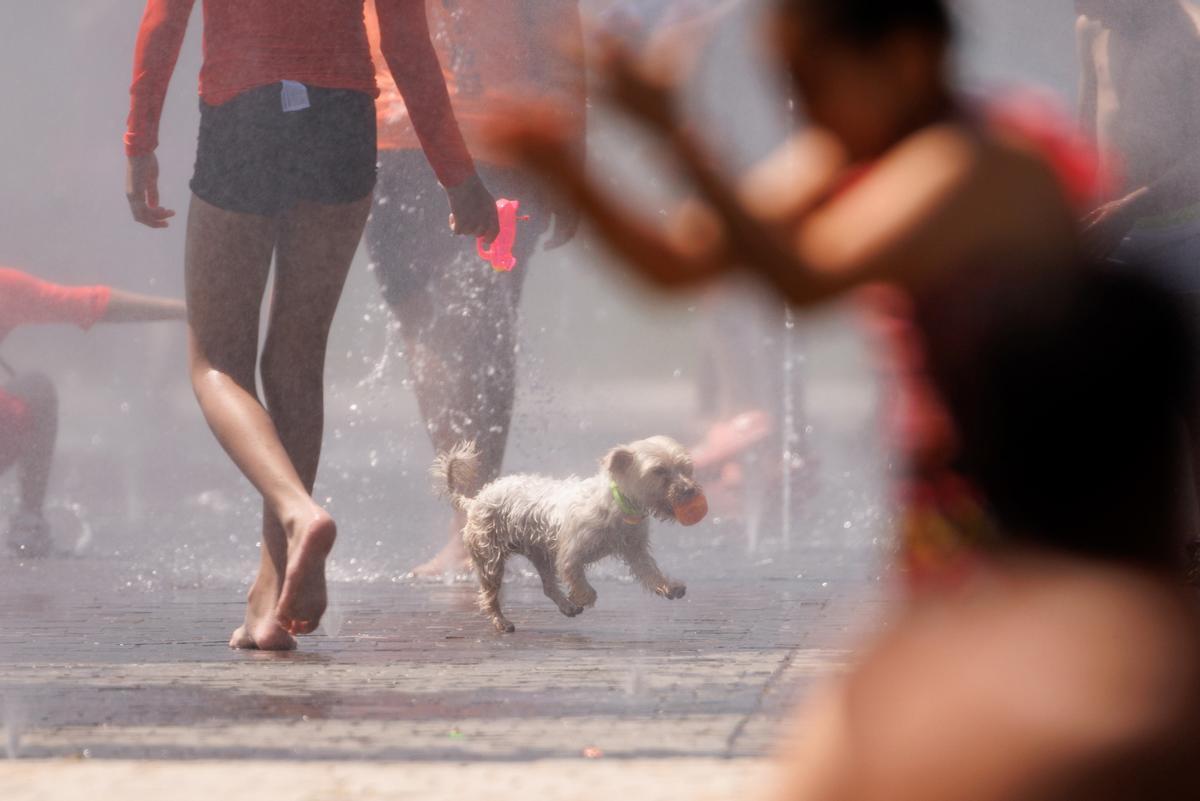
560,780
120,689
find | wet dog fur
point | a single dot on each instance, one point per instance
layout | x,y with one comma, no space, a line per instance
564,525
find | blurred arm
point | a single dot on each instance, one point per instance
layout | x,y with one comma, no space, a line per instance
159,39
29,301
129,307
935,201
410,55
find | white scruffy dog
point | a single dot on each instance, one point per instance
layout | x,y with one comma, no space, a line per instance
564,525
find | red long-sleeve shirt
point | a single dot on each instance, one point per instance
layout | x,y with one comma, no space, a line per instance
25,300
251,43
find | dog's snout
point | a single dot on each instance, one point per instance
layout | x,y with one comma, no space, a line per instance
688,490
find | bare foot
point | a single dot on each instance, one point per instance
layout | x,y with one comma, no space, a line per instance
261,631
303,598
451,559
267,636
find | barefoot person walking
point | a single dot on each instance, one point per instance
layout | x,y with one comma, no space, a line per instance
285,169
29,401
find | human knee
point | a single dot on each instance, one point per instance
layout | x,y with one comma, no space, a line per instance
289,369
38,392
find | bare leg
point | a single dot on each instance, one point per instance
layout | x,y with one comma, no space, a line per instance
30,446
315,248
463,367
579,590
227,260
546,571
37,442
646,571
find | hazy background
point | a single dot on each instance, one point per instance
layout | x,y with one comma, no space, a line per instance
602,360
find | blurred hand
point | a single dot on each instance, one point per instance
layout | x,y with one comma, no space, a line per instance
141,190
646,89
1106,226
473,210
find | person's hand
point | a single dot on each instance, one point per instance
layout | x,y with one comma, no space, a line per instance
473,209
645,88
141,190
1106,226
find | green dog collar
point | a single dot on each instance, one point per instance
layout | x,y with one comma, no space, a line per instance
632,513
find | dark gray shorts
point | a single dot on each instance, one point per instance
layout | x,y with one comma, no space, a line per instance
255,158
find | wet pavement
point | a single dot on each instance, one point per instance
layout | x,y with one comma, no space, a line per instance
116,681
92,672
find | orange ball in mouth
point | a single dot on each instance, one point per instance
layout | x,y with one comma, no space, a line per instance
691,511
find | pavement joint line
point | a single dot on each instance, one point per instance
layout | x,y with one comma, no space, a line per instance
776,676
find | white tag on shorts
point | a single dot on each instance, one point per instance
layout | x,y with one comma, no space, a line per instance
294,96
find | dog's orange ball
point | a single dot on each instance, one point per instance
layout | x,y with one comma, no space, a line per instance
691,511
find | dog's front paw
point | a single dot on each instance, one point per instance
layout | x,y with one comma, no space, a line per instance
583,597
570,610
672,591
504,626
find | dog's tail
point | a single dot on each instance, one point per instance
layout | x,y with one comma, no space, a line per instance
456,474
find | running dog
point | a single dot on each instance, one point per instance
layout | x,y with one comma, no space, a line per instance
564,525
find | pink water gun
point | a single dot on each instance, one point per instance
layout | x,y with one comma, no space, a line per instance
499,254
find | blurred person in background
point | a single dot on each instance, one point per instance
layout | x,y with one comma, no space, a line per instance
285,170
1061,659
457,316
28,399
1140,100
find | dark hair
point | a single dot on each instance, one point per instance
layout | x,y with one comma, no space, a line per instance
867,22
1070,411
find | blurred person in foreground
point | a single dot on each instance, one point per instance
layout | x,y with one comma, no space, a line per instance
285,170
897,184
1140,100
457,316
28,399
1060,658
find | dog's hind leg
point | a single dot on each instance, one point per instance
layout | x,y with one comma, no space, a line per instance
545,568
491,579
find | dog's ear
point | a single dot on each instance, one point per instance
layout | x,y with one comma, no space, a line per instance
618,460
